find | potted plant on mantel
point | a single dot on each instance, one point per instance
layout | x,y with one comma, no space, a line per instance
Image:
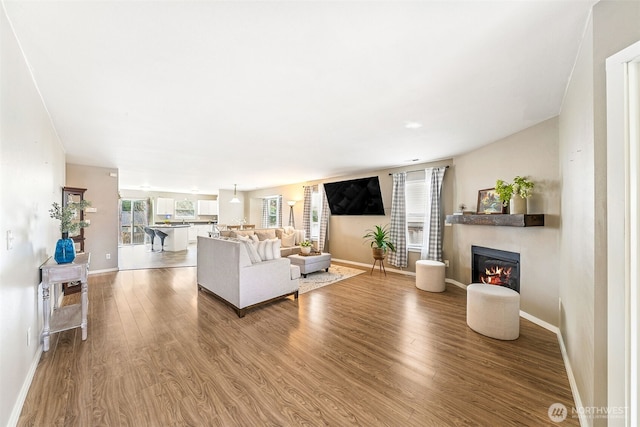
65,248
515,194
380,241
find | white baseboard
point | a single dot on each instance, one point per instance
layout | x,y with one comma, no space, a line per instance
455,282
577,401
17,408
361,264
106,270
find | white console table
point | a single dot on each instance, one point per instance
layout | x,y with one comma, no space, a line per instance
71,316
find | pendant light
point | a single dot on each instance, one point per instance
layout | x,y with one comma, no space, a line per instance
235,196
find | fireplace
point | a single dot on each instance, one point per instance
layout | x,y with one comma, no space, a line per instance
495,267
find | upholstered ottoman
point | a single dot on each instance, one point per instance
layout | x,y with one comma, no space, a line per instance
310,263
430,275
493,311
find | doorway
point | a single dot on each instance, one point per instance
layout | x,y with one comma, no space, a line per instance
134,217
623,233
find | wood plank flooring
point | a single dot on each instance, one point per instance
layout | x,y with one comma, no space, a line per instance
368,351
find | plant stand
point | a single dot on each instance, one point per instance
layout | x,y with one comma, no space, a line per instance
381,260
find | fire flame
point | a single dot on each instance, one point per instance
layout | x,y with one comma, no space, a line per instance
496,275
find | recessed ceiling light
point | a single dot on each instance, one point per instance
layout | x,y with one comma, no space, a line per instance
412,125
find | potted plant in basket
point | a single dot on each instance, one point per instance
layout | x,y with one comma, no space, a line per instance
380,241
65,248
515,194
305,247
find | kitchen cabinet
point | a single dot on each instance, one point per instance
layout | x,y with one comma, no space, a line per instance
199,230
207,207
164,206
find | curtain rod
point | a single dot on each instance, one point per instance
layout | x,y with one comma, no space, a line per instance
420,170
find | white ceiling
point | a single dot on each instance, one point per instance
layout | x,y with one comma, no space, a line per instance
183,96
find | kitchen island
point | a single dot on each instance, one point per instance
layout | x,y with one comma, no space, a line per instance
177,236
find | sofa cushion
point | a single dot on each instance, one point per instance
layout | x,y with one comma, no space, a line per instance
288,240
265,234
295,272
269,249
250,246
238,233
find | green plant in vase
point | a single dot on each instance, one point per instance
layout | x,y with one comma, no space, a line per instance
515,194
380,240
305,247
65,247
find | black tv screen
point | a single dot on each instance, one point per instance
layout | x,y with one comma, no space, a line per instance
355,197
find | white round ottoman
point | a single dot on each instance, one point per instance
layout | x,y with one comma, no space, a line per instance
430,275
493,311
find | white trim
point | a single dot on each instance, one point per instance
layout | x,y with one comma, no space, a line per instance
22,396
106,270
455,282
622,241
577,401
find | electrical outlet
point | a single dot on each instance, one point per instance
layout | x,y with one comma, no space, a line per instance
28,337
446,263
108,256
9,240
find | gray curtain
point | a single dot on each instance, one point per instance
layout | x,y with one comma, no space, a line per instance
265,213
306,212
324,221
398,227
432,230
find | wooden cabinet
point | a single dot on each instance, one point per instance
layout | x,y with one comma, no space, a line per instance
207,207
73,194
164,206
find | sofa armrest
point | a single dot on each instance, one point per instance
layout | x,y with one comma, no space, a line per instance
266,280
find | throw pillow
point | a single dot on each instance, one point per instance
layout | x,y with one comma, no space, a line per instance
266,234
288,240
252,251
269,249
275,246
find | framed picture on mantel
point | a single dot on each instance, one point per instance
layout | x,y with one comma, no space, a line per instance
489,202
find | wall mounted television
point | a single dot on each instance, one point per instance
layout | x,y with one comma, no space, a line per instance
355,197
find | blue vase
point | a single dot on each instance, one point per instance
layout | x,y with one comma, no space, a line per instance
65,250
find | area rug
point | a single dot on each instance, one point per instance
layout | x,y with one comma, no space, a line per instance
323,278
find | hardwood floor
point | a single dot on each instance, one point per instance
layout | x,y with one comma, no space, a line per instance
366,351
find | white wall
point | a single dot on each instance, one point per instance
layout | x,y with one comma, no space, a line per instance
532,152
32,174
583,252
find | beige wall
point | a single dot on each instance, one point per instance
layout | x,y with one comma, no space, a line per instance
533,153
101,237
32,174
583,251
345,232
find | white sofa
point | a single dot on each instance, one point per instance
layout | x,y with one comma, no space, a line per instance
290,238
226,270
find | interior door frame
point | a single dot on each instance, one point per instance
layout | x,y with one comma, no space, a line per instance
623,209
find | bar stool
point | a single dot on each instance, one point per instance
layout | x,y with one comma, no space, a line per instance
152,235
161,235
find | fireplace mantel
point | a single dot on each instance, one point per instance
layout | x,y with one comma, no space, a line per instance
536,220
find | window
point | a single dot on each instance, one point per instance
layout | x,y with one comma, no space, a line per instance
271,211
316,210
416,199
185,209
